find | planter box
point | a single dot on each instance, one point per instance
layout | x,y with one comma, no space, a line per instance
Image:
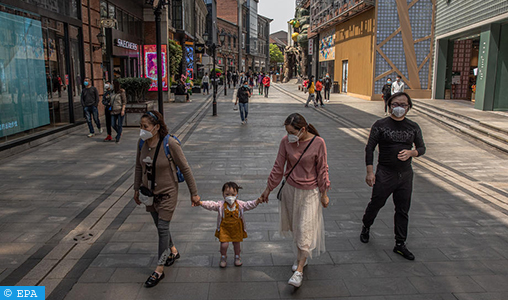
196,89
134,111
180,98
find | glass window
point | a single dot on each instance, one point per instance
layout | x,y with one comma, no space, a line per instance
104,10
119,14
112,11
125,22
132,26
76,72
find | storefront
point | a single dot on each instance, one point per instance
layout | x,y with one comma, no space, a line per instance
472,55
41,67
326,53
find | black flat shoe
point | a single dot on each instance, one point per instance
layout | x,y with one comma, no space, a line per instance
171,259
153,280
365,234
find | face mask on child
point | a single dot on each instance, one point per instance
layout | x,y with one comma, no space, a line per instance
230,200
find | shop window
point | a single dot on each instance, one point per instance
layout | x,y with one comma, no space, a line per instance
119,24
125,22
132,26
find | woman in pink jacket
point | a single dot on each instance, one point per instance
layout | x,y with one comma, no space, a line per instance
230,220
303,153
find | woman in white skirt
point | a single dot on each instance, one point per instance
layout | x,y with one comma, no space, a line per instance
304,191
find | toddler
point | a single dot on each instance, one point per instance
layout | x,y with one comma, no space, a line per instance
230,221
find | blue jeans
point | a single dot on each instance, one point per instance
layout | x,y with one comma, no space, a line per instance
89,111
117,124
244,107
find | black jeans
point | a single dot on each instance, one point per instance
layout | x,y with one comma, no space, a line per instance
327,94
266,91
165,241
319,99
388,182
107,115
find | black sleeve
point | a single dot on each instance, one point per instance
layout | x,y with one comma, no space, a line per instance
371,144
419,143
96,96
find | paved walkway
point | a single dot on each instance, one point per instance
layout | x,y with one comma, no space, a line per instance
458,231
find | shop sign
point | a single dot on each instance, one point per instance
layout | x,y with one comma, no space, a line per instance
200,48
311,46
151,66
125,44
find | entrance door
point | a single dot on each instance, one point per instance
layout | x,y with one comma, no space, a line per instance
344,75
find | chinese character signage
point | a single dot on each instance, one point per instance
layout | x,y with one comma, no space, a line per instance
151,66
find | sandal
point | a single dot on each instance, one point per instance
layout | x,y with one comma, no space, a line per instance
238,261
223,262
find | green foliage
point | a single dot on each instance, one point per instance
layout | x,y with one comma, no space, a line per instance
175,55
135,88
276,55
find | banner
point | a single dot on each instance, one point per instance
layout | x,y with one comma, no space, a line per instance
151,66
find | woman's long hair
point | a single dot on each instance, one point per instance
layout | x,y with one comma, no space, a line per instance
298,122
155,118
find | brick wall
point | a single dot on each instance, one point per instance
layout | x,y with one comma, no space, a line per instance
93,59
228,10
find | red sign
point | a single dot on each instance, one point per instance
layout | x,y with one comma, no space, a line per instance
151,66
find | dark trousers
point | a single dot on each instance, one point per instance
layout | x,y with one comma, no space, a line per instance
266,91
91,111
319,99
107,115
117,121
327,94
388,182
165,241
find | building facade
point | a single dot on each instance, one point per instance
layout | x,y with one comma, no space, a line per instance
227,56
471,52
46,50
363,42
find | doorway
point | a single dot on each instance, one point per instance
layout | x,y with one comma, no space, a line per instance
345,66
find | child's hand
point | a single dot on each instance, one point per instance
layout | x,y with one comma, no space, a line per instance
195,204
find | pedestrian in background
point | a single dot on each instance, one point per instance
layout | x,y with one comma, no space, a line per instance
395,136
387,93
319,88
261,76
266,83
304,191
243,94
155,174
106,101
205,81
230,221
311,88
235,79
89,102
228,76
398,85
328,86
118,103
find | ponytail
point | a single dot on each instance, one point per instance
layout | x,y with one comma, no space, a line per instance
312,129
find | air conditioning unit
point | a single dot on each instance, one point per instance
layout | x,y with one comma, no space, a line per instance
108,23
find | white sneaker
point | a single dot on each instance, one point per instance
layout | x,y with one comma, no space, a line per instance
101,130
295,265
90,135
296,279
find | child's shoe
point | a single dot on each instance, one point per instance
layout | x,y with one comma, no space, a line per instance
223,262
238,261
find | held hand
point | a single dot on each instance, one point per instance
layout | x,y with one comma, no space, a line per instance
196,200
325,200
136,197
123,113
405,155
264,196
370,179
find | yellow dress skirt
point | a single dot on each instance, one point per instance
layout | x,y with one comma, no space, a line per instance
231,226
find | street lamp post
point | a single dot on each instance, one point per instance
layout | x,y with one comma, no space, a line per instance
213,47
158,5
222,38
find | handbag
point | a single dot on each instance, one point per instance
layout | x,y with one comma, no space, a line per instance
146,192
279,194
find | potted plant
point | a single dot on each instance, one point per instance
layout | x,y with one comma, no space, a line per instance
136,89
197,86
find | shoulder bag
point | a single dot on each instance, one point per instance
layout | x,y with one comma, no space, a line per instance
279,194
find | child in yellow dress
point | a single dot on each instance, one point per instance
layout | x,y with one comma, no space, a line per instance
230,221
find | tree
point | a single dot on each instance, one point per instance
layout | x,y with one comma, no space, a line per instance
276,55
175,55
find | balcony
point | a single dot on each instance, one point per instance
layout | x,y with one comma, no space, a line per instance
325,13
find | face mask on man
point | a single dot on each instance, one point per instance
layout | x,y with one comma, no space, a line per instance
245,86
398,111
389,82
86,83
230,200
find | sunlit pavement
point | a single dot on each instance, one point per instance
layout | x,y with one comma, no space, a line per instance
458,232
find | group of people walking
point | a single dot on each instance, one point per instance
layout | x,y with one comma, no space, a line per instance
114,100
301,165
315,88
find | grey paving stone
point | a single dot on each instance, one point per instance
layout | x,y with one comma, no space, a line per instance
403,269
326,272
471,253
499,267
210,274
104,291
249,260
140,275
274,273
448,296
121,260
443,284
183,291
97,275
362,256
195,260
243,290
116,248
492,283
458,268
480,296
287,259
379,286
148,248
319,288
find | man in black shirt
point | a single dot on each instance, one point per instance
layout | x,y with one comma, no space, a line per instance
387,93
89,102
243,96
395,136
328,86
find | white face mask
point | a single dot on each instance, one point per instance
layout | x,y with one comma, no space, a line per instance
398,111
106,86
230,200
145,134
293,138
